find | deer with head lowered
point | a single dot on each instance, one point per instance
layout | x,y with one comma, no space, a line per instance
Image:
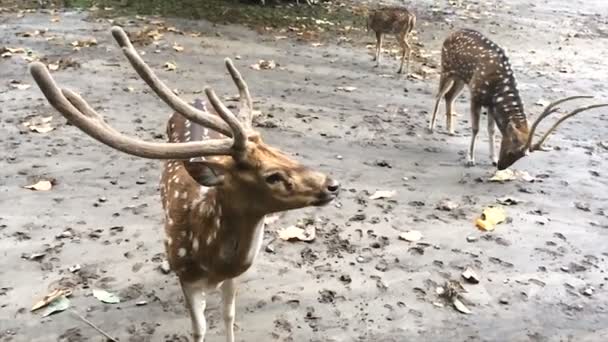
218,182
395,20
469,58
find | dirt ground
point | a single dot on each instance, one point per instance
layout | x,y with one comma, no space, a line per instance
542,274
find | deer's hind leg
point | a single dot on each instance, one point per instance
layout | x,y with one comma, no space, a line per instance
378,56
445,84
450,96
406,52
195,302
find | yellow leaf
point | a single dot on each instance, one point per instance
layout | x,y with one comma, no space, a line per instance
43,185
490,217
53,67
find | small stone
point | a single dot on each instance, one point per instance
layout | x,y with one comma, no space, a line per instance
565,268
102,199
339,157
471,238
503,300
588,291
165,268
141,303
269,248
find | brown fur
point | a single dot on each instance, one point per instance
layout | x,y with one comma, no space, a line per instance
469,58
392,20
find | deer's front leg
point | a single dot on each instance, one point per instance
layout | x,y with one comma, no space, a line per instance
228,299
195,302
475,114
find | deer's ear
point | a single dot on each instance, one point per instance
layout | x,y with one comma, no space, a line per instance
205,172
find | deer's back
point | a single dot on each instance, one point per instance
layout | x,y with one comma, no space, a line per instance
473,58
391,20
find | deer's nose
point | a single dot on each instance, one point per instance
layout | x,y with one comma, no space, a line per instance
332,185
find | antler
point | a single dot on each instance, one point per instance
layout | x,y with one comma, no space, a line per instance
79,113
166,94
550,109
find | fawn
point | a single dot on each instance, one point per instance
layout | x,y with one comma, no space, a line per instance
394,20
469,58
219,181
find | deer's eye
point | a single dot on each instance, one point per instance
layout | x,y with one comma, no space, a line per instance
274,178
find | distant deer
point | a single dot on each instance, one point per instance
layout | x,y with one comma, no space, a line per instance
469,58
215,190
392,20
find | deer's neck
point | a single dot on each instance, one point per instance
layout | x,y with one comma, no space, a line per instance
234,235
507,106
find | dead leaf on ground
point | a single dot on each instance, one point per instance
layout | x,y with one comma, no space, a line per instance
542,102
509,175
508,200
169,66
43,185
447,205
411,236
58,305
178,47
461,307
383,194
29,34
53,295
346,89
55,19
270,219
264,65
490,217
77,44
292,233
15,84
470,276
106,297
316,44
39,124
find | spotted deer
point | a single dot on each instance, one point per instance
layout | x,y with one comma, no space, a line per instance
392,20
219,180
469,58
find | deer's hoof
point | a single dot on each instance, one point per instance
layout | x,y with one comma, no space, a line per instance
430,130
470,163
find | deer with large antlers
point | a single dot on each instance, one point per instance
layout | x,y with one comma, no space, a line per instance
394,20
219,181
469,58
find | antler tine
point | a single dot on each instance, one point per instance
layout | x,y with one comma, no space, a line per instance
550,109
239,134
75,109
246,104
166,94
538,145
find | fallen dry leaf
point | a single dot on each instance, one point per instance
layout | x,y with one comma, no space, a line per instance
382,194
490,217
507,200
470,276
50,298
39,124
411,236
461,307
270,219
169,66
509,175
178,47
292,233
346,89
43,185
15,84
316,44
264,65
84,43
58,305
106,297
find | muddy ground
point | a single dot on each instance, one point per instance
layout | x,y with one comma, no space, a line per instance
542,273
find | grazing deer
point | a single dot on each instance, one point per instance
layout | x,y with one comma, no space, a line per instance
394,20
469,58
215,190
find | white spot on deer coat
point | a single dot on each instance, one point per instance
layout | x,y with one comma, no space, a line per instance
195,245
181,252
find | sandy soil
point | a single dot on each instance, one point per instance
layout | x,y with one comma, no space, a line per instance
357,281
